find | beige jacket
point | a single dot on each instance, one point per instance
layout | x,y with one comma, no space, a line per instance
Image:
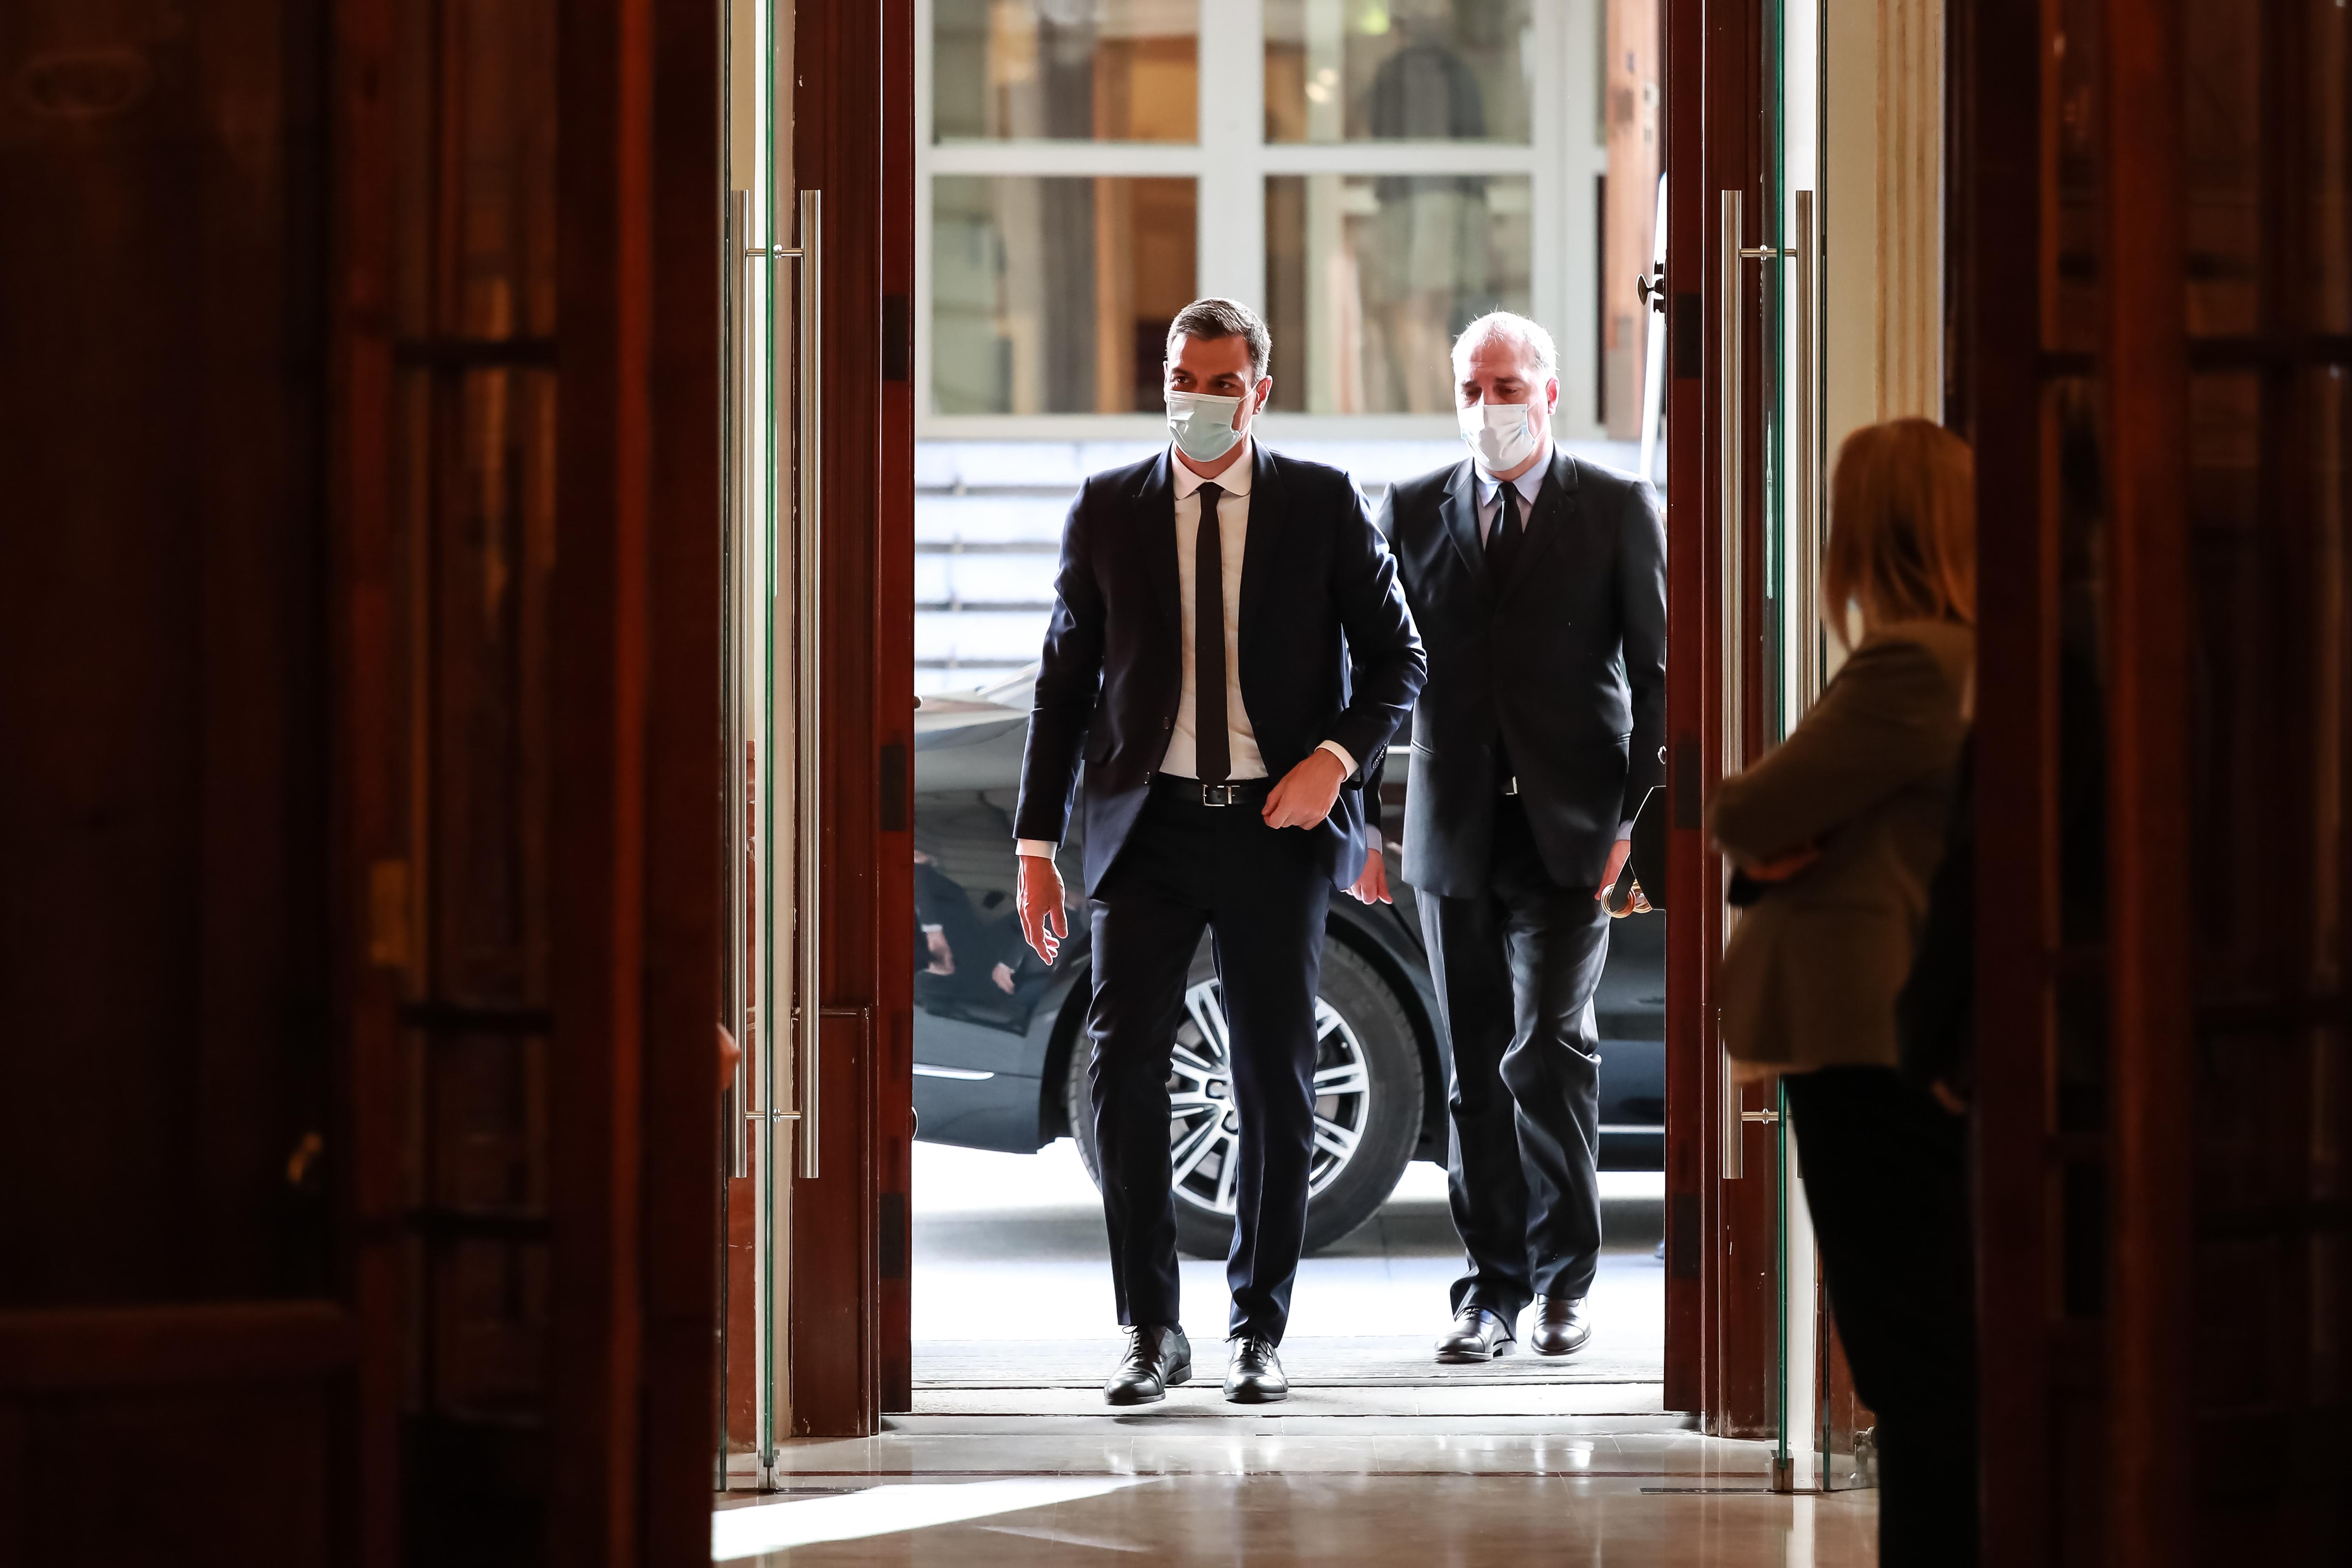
1810,976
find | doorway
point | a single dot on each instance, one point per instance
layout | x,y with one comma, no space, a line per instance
1067,176
1371,179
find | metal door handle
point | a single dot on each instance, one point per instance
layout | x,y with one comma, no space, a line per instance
731,673
808,727
1809,453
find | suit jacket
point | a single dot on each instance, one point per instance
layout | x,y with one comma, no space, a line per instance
1810,976
1566,662
1328,651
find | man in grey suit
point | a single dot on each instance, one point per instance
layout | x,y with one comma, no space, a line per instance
1537,583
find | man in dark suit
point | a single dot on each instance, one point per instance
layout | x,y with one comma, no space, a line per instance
1537,583
1228,648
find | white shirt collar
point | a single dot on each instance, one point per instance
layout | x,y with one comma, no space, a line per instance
1528,484
1234,480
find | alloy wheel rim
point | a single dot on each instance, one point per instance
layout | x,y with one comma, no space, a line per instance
1204,1125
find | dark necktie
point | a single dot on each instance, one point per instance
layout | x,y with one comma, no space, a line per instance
1501,548
1503,540
1211,753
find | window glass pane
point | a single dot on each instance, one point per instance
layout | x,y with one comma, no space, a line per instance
1101,70
1416,71
1052,296
1369,276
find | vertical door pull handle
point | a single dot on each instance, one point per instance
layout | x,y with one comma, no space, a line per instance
808,725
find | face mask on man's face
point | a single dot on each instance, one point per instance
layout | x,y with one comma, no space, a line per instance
1502,436
1203,425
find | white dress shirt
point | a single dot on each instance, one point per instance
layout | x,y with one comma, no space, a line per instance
1232,542
1490,507
1490,493
1180,758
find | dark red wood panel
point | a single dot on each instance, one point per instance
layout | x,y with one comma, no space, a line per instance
1998,183
851,120
1690,1162
2161,706
684,881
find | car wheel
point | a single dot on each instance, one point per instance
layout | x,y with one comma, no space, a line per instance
1366,1106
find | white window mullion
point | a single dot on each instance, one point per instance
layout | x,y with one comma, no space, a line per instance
1401,158
1231,258
1083,159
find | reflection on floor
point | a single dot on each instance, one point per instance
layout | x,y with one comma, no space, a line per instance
1013,1306
976,1492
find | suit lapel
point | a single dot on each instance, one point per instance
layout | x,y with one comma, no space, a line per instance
1265,536
1459,512
1155,534
1547,520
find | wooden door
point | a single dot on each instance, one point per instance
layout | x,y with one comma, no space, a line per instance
358,701
182,1292
2156,275
853,123
533,230
1722,1275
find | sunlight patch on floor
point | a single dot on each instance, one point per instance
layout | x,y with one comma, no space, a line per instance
739,1532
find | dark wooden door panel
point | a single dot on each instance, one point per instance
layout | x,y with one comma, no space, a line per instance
2162,727
169,1152
852,119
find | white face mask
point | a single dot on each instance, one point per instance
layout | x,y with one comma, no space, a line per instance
1502,436
1203,425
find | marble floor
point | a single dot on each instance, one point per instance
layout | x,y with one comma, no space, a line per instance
1380,1456
975,1492
1011,1290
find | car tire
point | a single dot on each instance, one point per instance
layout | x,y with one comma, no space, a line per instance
1359,1020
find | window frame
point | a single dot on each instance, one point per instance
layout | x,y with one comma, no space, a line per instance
1230,164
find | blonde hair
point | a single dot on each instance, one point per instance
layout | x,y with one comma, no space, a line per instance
1902,524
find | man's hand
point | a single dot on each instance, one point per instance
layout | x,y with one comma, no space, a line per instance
1003,975
1371,885
1619,853
942,956
729,1054
1304,796
1045,925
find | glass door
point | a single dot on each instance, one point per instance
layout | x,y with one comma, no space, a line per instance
768,548
1782,549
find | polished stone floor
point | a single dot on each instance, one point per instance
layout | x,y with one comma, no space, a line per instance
967,1493
1380,1456
1012,1292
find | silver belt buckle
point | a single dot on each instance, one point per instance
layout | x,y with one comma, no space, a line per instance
1511,785
1217,794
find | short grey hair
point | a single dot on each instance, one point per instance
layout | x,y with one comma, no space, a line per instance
1511,328
1208,320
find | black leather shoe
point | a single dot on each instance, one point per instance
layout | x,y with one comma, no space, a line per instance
1254,1376
1558,1326
1158,1357
1478,1334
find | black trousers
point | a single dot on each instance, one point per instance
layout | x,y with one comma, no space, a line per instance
1516,971
1262,895
1887,1179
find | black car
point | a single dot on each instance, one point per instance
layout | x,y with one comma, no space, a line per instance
999,1061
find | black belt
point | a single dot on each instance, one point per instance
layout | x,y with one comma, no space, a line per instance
1193,792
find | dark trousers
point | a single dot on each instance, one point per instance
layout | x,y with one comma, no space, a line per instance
1886,1178
1262,894
1516,971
